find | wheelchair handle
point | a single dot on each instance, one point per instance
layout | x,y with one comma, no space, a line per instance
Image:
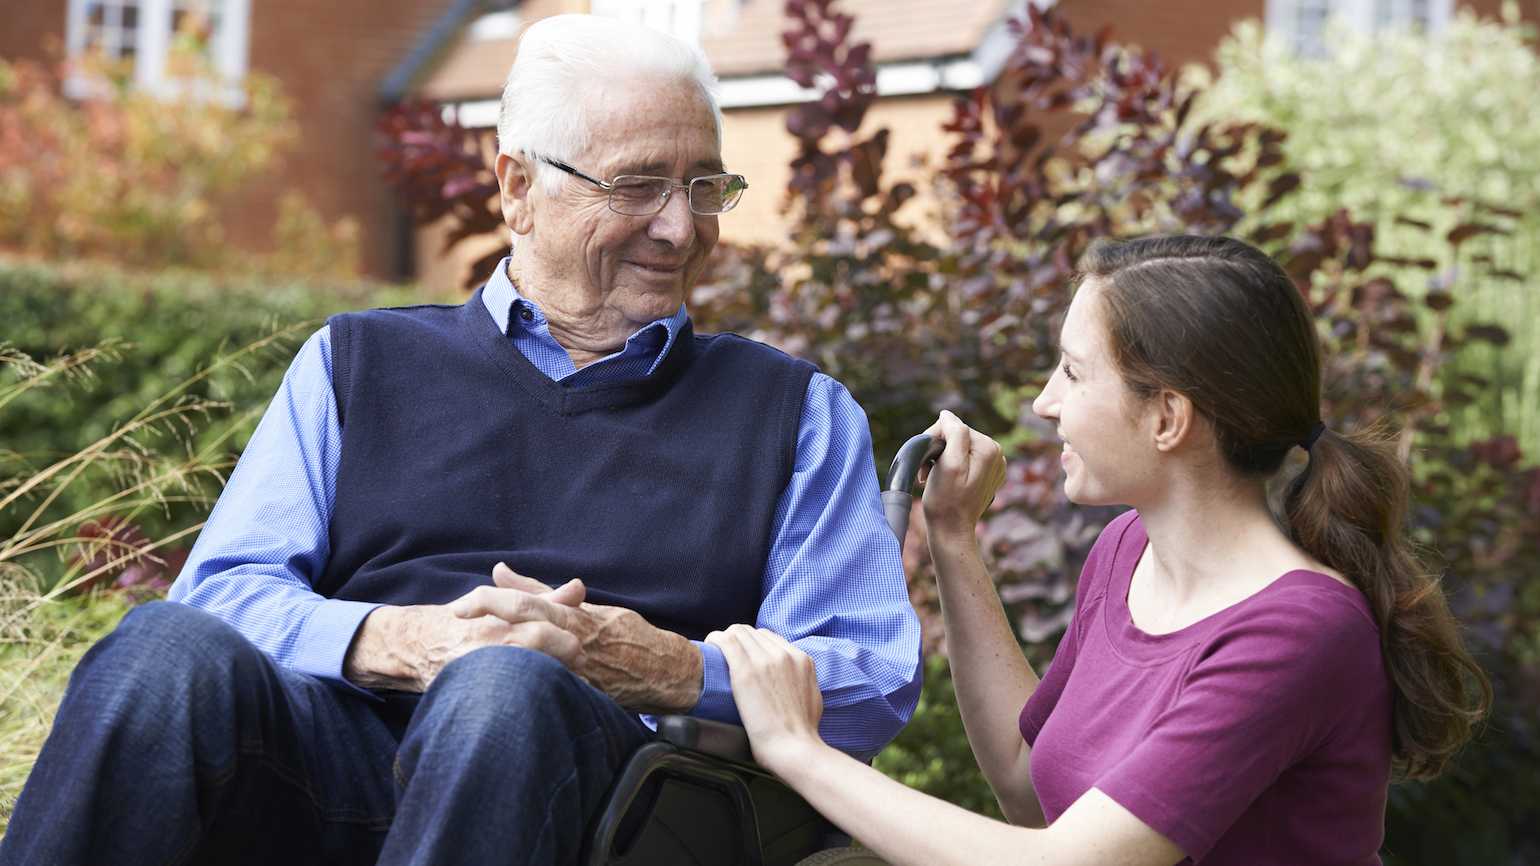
921,450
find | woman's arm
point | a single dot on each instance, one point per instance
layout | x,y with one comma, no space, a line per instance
778,699
992,678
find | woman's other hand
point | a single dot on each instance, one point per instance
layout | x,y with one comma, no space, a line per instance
963,480
776,690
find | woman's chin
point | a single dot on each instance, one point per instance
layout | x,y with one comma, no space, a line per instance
1082,494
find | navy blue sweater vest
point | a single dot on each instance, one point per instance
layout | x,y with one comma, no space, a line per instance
457,453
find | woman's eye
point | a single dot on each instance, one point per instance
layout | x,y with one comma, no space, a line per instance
1070,374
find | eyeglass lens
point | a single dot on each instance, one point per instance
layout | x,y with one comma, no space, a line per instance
641,196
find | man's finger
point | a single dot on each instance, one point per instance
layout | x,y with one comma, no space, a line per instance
507,578
546,638
512,606
570,594
490,601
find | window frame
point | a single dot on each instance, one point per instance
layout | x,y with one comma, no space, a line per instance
228,50
1364,16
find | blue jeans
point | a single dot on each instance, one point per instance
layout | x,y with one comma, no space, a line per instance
178,741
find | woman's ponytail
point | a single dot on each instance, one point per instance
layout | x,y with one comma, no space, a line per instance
1348,510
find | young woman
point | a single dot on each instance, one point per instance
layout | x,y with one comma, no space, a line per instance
1230,690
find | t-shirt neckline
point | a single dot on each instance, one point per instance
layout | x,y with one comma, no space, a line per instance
1139,645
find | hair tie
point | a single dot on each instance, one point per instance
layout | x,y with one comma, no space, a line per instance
1315,433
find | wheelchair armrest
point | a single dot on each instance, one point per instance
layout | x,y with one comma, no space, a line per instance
696,771
718,739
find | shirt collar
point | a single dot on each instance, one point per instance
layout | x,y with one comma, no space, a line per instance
502,299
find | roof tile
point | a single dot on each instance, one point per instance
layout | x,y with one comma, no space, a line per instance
743,37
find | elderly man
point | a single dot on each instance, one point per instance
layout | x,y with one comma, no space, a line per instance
364,661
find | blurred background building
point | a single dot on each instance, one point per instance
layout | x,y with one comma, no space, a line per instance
342,62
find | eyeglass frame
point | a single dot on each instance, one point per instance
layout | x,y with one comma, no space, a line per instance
610,186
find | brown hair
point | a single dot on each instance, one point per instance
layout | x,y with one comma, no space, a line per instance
1218,321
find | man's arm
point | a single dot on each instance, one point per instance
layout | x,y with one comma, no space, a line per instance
834,584
266,542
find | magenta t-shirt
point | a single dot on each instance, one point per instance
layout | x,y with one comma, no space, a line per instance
1259,735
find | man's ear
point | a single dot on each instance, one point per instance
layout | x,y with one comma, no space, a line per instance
1176,420
515,182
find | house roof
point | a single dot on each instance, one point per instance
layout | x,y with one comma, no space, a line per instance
897,29
743,37
434,39
473,69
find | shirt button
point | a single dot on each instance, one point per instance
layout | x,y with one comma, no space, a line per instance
526,314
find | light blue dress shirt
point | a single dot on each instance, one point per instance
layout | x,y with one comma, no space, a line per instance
833,585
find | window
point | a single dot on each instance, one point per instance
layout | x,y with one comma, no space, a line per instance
1303,23
141,33
680,18
111,29
1309,31
1419,14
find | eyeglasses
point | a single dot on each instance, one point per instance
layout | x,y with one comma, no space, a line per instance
642,195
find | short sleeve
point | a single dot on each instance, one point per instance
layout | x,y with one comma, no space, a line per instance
1034,713
1264,693
1091,586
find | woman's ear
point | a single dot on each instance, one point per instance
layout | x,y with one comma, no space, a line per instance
1175,420
515,182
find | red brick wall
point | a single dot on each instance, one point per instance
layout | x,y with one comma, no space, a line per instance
331,58
29,28
1181,31
1528,9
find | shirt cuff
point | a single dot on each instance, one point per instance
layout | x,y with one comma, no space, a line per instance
323,641
716,693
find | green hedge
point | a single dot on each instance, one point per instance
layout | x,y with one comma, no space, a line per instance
170,326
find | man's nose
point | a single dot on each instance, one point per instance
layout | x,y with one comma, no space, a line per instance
674,224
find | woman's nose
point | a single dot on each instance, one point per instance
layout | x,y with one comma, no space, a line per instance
1046,406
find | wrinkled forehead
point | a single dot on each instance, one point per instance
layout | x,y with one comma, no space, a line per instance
642,120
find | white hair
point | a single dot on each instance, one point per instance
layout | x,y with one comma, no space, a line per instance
544,112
